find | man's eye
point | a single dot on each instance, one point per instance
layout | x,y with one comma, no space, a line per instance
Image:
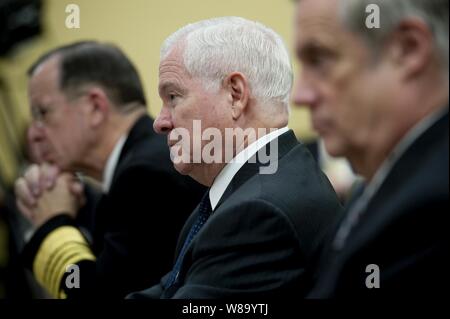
173,97
40,112
316,60
317,57
321,63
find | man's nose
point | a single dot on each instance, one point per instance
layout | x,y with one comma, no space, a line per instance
304,94
35,133
35,136
163,123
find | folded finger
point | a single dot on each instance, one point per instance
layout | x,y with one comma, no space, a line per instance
23,193
32,178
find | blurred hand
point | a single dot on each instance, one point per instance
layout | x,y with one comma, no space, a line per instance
56,200
35,193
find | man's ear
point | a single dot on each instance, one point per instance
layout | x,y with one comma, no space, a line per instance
100,106
237,86
411,47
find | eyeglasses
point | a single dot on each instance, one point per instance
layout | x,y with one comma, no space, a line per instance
40,115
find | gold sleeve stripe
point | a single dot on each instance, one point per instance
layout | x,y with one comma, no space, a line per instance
55,258
51,244
55,281
61,248
73,260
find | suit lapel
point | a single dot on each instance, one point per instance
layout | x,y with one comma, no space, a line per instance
385,199
142,129
286,142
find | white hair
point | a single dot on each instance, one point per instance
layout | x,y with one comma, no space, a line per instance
216,47
435,13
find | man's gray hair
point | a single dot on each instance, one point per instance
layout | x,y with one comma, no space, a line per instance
216,47
435,13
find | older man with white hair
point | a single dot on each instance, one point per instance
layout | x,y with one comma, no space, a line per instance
256,230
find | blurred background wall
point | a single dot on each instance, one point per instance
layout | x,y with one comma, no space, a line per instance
138,27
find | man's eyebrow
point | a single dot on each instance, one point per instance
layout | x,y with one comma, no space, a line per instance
311,48
166,86
309,45
37,106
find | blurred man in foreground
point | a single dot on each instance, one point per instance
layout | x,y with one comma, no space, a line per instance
379,96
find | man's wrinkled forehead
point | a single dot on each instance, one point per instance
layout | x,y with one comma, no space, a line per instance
317,22
45,78
172,63
171,73
317,12
174,58
47,68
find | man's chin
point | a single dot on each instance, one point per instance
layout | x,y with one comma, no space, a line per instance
63,166
51,160
333,147
182,168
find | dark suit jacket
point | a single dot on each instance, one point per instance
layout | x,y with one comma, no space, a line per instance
260,237
136,225
403,230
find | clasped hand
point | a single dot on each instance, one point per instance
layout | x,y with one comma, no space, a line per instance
44,192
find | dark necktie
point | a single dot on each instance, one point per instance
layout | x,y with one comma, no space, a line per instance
356,208
204,211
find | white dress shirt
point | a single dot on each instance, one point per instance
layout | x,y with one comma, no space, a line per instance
225,176
111,164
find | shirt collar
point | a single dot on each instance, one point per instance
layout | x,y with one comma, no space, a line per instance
225,176
111,164
404,144
360,204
